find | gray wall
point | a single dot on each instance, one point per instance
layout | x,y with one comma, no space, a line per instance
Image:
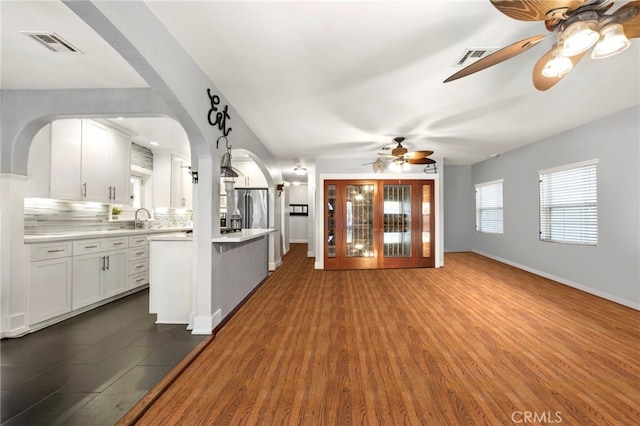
459,208
611,269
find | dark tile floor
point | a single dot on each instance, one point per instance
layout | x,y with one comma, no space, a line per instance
90,369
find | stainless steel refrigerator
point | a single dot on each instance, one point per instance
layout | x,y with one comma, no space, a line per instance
253,205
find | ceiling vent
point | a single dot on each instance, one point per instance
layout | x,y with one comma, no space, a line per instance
53,42
471,55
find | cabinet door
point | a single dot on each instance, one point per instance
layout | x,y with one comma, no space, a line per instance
96,154
115,278
65,181
49,289
119,166
87,271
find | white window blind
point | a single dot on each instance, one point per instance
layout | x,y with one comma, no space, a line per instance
568,204
489,212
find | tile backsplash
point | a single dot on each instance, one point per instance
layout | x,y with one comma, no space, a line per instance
49,216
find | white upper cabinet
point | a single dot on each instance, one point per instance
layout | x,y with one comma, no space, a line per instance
88,162
105,164
172,185
66,157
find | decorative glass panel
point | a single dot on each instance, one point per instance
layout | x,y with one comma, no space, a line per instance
426,220
359,205
331,220
397,220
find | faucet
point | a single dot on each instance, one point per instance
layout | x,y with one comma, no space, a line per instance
135,219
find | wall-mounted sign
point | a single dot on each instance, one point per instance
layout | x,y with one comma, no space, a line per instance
221,117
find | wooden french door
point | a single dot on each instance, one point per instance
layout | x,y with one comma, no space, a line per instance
379,224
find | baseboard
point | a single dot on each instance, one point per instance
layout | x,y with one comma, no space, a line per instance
560,280
311,253
275,265
205,324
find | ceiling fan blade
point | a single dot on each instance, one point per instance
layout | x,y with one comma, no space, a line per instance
415,155
421,161
532,10
542,82
498,56
631,27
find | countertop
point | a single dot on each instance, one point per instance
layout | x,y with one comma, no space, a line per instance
80,235
232,237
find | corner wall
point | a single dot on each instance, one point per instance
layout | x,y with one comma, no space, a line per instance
612,268
459,208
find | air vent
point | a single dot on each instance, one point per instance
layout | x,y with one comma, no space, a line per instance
473,54
53,42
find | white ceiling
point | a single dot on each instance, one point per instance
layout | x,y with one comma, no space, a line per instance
341,78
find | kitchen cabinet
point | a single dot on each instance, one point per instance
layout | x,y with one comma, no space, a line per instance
88,161
379,224
99,270
172,186
138,261
105,164
49,293
181,189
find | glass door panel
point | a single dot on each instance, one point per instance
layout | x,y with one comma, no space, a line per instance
426,220
331,221
359,221
397,220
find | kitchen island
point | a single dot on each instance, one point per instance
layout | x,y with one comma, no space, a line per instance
240,264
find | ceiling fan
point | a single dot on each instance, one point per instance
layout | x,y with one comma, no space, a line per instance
401,158
579,25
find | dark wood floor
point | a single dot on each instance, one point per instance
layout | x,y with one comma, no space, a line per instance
91,369
475,342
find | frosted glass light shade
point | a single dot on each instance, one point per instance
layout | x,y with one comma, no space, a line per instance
557,65
578,37
613,41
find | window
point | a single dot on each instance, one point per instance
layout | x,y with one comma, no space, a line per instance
489,215
568,204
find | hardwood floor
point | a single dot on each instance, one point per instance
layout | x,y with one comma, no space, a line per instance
475,342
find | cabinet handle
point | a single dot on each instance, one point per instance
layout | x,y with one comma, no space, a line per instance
104,263
139,280
110,197
114,193
139,266
55,251
118,244
140,241
137,254
84,189
90,246
108,263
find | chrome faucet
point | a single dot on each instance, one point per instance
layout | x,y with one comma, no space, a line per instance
135,219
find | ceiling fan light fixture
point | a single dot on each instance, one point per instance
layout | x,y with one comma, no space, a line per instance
613,41
578,37
557,65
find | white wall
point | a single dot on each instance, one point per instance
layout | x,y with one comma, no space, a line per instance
612,268
298,194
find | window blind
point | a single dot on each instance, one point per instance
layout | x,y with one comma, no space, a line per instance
489,211
568,204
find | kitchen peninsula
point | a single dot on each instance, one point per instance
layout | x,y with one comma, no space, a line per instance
171,276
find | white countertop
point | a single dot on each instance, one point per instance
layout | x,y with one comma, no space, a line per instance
79,235
231,237
243,235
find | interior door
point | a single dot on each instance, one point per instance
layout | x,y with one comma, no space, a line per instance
398,233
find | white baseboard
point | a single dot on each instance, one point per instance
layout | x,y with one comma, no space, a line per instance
204,324
560,280
275,265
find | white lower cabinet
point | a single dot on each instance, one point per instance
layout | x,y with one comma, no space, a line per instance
138,261
49,289
98,276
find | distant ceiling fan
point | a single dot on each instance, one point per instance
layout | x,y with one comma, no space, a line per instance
579,25
401,158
